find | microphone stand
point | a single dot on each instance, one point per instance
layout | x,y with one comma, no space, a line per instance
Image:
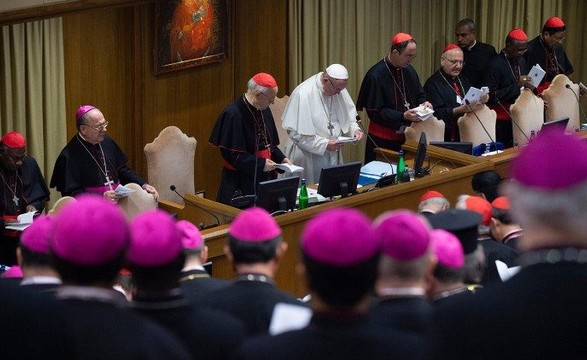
384,180
512,118
201,226
481,123
568,86
245,201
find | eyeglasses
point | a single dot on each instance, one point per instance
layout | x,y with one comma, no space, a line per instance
409,56
334,86
454,62
98,127
271,100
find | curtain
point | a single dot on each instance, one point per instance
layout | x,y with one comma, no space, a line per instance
32,88
357,33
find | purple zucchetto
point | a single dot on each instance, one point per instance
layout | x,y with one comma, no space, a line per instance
36,237
82,110
340,237
254,225
15,272
191,238
553,161
447,248
89,231
404,235
155,239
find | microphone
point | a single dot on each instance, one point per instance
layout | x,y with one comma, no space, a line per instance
568,86
384,180
511,117
481,123
201,226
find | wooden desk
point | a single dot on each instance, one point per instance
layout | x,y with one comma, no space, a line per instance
450,182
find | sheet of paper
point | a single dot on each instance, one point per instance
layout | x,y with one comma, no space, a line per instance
505,273
122,191
346,140
290,168
288,317
474,95
537,74
378,169
23,221
423,112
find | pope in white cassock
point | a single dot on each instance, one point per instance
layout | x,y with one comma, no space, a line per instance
319,111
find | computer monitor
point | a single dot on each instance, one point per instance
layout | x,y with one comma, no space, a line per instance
465,147
561,123
339,180
278,195
419,169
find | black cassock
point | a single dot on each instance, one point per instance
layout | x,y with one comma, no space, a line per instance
537,54
80,166
242,131
28,186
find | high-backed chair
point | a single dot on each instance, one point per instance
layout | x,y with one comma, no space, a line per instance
60,203
528,113
433,128
470,128
277,110
170,161
136,202
561,103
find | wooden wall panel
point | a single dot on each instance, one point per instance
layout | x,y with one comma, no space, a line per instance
109,63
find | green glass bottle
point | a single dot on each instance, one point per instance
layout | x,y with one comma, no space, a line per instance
303,198
401,168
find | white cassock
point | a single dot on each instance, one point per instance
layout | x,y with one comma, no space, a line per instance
311,119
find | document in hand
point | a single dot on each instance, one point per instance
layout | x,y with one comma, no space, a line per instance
24,221
423,112
346,140
290,168
537,74
122,191
474,95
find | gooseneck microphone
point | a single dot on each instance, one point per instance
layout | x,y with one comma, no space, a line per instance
481,123
384,180
512,118
568,86
201,226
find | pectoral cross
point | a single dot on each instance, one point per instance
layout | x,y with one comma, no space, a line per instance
15,200
108,181
330,127
407,104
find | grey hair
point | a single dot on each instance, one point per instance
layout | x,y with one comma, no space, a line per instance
405,270
469,23
253,86
474,266
554,210
435,201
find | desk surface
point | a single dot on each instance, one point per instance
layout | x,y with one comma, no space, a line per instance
449,176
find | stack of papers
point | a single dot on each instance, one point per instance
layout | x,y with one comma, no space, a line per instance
374,171
289,169
537,74
423,112
346,140
23,221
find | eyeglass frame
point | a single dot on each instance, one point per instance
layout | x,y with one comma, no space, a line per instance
100,127
454,62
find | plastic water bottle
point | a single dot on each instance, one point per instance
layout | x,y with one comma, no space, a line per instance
401,167
487,148
303,198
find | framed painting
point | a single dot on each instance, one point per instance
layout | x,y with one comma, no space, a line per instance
189,33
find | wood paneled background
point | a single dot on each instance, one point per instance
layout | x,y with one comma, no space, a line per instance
109,63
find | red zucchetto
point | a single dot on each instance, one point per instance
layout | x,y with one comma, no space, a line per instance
450,47
264,79
14,140
401,37
518,35
554,22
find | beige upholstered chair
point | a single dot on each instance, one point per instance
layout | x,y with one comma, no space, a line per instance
277,110
170,161
470,128
60,203
137,201
528,113
433,128
561,103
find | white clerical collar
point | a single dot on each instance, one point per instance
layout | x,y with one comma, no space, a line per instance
474,43
191,268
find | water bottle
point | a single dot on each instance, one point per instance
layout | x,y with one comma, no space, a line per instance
303,198
487,148
401,168
532,135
